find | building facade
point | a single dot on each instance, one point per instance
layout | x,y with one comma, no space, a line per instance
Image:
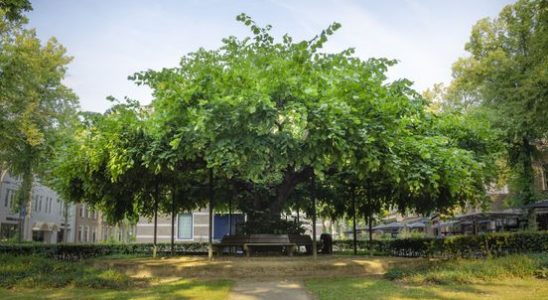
194,226
48,219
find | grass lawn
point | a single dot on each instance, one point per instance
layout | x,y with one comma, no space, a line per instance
378,288
162,289
511,277
333,277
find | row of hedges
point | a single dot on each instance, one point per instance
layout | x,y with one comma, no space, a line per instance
484,245
79,251
495,244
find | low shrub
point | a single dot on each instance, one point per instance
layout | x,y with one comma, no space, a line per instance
483,245
374,247
81,251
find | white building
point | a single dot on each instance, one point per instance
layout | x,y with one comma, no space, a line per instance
48,218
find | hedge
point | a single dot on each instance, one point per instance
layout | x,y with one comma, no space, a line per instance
80,251
484,245
378,247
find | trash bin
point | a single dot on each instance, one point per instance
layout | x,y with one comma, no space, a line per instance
327,243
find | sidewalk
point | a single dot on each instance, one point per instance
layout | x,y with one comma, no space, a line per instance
278,289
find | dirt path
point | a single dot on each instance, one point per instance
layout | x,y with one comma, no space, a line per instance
255,268
281,289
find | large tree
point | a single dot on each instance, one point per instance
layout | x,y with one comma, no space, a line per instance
272,126
506,76
268,115
35,106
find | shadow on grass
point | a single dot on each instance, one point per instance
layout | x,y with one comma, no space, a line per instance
165,289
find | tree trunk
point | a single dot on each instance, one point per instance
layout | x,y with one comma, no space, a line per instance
370,221
65,213
211,195
173,222
156,199
230,214
24,199
355,240
528,190
313,195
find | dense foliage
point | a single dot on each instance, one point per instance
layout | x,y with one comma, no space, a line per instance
505,78
255,121
36,108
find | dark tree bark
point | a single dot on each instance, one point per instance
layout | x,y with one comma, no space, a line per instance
156,199
267,205
370,221
313,195
211,195
354,237
173,222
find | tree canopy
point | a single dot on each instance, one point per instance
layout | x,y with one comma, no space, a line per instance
35,106
506,78
264,116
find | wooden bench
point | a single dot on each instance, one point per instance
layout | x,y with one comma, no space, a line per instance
237,241
269,240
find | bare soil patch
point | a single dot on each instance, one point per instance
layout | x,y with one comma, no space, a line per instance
256,268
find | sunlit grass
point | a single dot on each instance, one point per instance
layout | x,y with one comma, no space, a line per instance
378,288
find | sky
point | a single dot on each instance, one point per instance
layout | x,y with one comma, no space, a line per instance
110,40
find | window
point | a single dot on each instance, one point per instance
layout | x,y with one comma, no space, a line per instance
7,200
40,203
50,204
80,230
86,230
185,226
82,210
12,197
93,236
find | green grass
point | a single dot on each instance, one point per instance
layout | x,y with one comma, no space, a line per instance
471,271
378,288
178,289
42,272
511,277
36,277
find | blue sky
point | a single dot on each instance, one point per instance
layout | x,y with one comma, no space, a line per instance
110,40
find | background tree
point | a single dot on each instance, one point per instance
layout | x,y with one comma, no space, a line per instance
506,76
35,105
